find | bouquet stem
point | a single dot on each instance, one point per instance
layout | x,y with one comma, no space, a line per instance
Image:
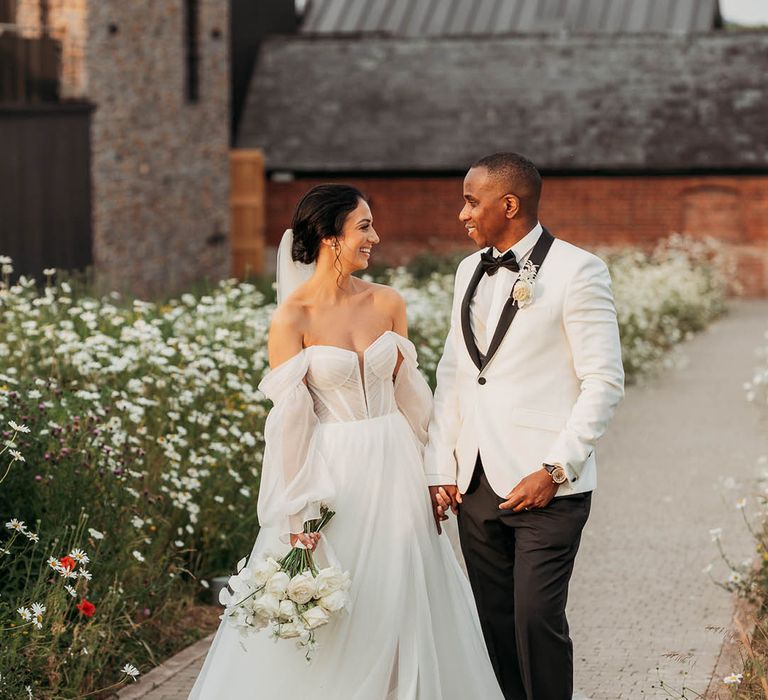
300,559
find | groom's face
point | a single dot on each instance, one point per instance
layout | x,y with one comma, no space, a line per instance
485,211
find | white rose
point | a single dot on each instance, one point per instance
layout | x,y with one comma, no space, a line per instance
263,570
315,617
290,630
278,584
287,609
302,588
329,580
522,293
267,606
333,602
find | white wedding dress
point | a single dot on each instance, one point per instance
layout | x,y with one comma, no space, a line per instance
342,432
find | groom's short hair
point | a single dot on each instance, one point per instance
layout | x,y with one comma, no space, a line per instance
518,175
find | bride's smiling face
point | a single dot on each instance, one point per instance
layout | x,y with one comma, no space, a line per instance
355,243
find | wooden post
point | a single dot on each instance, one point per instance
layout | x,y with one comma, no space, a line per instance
247,206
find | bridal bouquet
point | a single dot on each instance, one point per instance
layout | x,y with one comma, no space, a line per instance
291,596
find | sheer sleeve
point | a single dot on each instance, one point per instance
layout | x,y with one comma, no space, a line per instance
412,393
294,480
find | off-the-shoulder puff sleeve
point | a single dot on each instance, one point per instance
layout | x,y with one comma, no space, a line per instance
294,479
412,393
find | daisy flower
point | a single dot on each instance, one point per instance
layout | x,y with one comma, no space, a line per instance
79,556
130,670
37,612
15,524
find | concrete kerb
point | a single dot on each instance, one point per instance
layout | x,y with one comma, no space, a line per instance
165,671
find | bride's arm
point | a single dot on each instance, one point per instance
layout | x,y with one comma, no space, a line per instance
293,480
412,393
439,461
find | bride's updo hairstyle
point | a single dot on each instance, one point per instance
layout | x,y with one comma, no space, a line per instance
321,213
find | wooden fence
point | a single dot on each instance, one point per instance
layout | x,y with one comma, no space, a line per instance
45,186
247,190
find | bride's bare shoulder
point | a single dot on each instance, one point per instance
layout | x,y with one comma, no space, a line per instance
384,296
289,317
286,331
388,302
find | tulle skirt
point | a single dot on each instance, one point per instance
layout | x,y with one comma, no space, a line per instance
411,630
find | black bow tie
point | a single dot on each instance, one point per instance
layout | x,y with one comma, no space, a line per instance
491,265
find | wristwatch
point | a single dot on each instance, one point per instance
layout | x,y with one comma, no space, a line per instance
556,472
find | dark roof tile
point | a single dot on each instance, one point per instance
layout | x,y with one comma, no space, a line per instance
481,17
607,102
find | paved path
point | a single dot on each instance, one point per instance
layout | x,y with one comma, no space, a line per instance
638,590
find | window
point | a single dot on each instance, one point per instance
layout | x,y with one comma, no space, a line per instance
192,50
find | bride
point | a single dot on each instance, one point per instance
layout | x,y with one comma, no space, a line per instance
348,428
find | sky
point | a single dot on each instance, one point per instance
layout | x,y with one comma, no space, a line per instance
745,11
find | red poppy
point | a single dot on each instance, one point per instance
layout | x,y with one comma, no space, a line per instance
68,563
86,607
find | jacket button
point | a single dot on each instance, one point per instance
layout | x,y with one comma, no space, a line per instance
481,380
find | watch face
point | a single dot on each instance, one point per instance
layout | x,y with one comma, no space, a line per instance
559,476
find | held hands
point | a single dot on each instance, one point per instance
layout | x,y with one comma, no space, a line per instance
444,497
534,491
308,539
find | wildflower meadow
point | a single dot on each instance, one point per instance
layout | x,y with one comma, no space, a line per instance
132,438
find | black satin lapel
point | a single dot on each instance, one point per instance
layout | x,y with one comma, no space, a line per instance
505,321
466,323
537,256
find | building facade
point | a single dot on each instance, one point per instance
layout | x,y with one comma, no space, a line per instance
158,75
638,135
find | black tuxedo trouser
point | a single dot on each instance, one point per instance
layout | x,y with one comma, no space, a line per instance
519,565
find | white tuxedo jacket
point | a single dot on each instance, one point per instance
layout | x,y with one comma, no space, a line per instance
546,394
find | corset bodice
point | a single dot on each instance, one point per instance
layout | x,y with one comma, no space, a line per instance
346,386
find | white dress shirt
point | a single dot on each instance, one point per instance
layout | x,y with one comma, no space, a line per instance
493,291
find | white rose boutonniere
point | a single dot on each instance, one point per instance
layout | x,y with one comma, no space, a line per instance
523,289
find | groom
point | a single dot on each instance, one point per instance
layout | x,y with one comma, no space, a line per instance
530,376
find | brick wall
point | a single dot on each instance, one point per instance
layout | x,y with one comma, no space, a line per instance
160,167
414,215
